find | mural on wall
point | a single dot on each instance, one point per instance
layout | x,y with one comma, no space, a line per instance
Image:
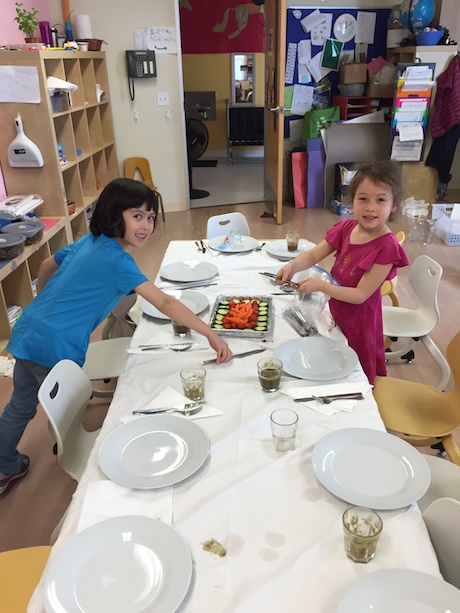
222,26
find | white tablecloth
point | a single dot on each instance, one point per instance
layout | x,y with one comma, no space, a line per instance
281,528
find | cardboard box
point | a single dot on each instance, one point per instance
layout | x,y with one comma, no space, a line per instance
353,73
375,90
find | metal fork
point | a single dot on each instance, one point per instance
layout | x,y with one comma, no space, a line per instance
329,399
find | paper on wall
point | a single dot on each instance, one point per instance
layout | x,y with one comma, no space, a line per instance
365,27
304,51
303,74
19,84
411,131
302,99
161,39
407,151
315,68
322,30
139,40
311,21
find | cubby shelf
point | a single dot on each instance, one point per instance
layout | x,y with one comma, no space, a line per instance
84,127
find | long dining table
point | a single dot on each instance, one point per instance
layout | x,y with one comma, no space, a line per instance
281,528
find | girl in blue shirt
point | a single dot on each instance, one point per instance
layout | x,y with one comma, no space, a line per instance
77,288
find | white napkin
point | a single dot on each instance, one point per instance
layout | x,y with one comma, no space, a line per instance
169,398
329,390
105,499
167,337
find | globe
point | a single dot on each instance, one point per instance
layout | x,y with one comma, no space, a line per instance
416,14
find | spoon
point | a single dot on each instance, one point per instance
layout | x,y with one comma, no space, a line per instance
259,248
185,411
176,347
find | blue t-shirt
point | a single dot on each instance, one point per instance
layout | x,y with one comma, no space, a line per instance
94,273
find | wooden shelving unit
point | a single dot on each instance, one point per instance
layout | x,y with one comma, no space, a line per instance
84,127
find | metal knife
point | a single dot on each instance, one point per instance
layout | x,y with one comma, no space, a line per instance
236,355
179,407
350,395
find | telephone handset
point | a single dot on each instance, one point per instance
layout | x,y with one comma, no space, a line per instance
141,64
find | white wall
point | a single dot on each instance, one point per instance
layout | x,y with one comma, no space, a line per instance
153,137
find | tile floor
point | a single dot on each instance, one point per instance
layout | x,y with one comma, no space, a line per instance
229,184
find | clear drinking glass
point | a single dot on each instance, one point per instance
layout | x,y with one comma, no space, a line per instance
235,238
193,382
269,371
292,239
180,330
284,424
361,530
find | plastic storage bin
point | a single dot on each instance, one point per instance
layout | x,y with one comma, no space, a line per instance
32,229
11,245
448,229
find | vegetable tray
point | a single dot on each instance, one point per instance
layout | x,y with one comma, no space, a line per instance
263,307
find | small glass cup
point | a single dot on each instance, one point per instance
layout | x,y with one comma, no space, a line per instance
292,239
180,330
269,371
235,238
193,382
284,424
361,530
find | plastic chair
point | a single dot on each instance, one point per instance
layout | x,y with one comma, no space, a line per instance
222,224
445,481
64,395
421,414
106,359
142,166
389,287
442,518
20,572
416,324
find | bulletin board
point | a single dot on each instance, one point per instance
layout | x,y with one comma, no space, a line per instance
295,33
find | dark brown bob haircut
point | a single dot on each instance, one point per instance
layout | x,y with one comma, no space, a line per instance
386,172
118,196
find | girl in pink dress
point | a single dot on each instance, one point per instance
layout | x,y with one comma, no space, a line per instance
367,253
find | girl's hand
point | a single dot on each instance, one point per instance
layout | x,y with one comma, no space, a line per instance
221,348
286,273
313,285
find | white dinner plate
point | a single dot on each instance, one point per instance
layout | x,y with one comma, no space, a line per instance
195,301
190,270
370,468
130,563
400,591
247,244
153,451
317,358
279,250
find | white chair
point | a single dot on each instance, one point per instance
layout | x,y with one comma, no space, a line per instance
442,518
218,225
64,395
445,481
106,359
416,324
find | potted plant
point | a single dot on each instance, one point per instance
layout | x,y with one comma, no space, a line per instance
27,22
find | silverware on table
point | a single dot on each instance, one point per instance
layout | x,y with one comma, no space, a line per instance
236,355
203,246
186,409
271,275
198,246
330,398
191,285
174,347
259,248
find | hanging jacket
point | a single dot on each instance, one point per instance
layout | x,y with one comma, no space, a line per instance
447,102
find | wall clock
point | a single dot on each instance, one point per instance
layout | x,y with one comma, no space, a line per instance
344,27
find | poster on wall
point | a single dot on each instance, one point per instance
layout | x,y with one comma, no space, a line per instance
222,26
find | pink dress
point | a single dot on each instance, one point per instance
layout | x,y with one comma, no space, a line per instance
362,323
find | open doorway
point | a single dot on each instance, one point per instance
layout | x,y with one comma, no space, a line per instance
206,72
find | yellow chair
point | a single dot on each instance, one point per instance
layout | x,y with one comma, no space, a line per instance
142,166
389,287
421,414
20,572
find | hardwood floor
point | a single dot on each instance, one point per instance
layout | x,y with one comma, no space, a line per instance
32,506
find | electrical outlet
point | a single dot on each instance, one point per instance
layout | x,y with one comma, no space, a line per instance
163,99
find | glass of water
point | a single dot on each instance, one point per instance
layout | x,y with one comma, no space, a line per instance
284,424
193,382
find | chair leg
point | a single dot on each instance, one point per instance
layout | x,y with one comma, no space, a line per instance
440,361
401,352
160,202
394,298
451,448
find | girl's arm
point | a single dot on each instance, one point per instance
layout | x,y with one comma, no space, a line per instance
369,283
305,260
47,269
180,313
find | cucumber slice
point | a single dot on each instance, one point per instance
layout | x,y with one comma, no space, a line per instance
262,318
263,304
219,317
222,311
236,301
224,302
218,326
260,328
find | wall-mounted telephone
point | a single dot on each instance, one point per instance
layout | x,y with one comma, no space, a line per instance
141,65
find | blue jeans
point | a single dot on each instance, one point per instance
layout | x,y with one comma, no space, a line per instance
27,378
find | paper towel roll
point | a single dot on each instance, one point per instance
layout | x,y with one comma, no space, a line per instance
81,27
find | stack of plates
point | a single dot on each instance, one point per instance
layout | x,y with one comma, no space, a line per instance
189,271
